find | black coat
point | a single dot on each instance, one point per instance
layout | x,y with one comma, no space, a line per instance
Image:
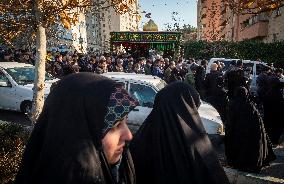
235,78
273,109
211,82
200,78
172,146
247,145
65,145
216,95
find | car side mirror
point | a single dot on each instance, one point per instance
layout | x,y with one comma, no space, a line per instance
5,84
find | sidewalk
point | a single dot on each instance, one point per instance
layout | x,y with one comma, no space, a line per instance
272,174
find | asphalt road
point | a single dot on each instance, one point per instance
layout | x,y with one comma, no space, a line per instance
14,117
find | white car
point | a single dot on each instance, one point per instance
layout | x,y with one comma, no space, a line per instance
256,68
145,87
16,86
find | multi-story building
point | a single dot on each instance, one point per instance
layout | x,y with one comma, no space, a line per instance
101,24
209,20
265,26
217,21
92,32
72,39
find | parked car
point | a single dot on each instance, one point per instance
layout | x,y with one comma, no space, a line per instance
16,86
145,87
256,68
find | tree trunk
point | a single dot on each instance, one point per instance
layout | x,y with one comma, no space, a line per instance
38,90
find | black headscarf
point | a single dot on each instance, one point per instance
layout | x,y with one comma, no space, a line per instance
65,146
247,145
172,146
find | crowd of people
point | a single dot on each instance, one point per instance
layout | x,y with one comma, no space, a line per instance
171,146
82,137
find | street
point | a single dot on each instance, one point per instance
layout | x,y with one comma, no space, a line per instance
14,117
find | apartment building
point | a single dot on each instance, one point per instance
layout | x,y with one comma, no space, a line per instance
101,24
265,26
71,39
209,20
217,21
92,32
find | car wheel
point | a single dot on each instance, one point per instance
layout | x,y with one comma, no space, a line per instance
26,107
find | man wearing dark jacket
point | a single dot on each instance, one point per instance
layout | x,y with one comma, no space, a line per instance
200,78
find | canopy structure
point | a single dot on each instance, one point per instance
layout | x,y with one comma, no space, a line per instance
139,42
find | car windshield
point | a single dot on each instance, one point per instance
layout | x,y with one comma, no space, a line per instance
25,75
144,94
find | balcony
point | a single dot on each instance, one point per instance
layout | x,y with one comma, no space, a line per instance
254,31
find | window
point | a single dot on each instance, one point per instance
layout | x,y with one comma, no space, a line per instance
144,94
4,81
248,67
260,68
3,78
25,75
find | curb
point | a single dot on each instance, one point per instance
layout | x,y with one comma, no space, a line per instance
279,151
238,177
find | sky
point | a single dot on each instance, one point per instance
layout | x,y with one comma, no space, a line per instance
161,12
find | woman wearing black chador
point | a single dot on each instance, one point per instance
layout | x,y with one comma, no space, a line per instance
247,145
81,135
172,146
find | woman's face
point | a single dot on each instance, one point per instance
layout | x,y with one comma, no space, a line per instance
114,141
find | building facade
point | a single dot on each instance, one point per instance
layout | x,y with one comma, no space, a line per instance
101,24
216,21
92,32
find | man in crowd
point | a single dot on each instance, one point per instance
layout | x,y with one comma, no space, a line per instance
102,66
235,77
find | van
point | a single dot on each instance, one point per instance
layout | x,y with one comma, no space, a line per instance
256,68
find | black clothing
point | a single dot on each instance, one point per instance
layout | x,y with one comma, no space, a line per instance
183,72
172,146
235,78
273,109
58,69
175,75
68,69
211,82
262,85
199,80
216,95
247,145
83,64
220,102
65,146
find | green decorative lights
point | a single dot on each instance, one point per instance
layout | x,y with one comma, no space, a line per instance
164,37
156,40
